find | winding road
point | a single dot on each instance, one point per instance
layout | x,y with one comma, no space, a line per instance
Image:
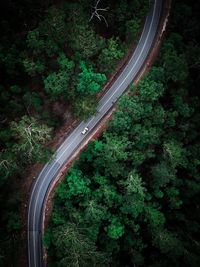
75,139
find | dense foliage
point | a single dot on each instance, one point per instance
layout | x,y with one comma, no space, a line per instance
53,62
133,195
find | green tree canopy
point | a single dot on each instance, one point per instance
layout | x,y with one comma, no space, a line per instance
31,137
76,249
109,56
89,82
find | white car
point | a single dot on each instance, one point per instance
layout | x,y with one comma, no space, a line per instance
86,129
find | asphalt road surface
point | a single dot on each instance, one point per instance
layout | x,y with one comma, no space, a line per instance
73,141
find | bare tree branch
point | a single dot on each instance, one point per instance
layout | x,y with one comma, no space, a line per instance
96,14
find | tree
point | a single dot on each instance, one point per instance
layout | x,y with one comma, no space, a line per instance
150,90
85,107
65,64
78,184
155,218
33,67
82,38
115,229
54,26
163,174
8,165
169,244
109,56
134,191
174,64
108,195
134,185
31,137
56,83
132,29
113,152
74,249
34,42
89,82
174,152
50,36
94,212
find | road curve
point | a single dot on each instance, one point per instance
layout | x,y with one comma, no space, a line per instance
73,141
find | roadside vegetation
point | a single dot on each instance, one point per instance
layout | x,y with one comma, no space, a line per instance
132,199
54,59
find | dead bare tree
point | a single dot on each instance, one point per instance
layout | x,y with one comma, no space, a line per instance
96,11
